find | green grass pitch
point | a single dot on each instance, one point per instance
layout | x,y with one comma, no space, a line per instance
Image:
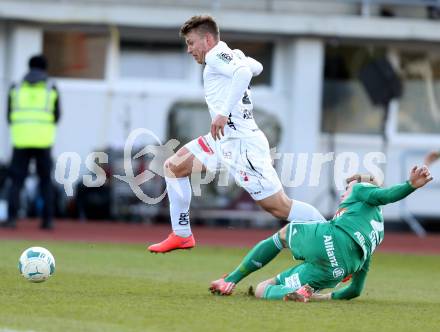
120,287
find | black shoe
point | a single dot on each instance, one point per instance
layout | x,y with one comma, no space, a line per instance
9,224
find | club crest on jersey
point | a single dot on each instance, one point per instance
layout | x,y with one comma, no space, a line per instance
224,57
338,272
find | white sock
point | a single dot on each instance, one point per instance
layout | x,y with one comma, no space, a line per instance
179,195
301,211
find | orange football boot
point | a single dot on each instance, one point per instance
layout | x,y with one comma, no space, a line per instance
173,242
300,295
222,287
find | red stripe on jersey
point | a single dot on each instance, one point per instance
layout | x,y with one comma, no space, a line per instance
204,145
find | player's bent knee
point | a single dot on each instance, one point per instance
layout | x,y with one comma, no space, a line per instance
259,291
174,169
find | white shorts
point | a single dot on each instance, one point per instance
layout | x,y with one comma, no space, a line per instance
246,159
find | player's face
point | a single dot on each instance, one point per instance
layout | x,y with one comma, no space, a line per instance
197,45
348,190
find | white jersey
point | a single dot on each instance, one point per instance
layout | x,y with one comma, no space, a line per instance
221,65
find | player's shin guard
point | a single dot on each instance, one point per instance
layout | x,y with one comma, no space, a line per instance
179,195
276,292
259,256
281,292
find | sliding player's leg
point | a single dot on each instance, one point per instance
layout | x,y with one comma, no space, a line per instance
306,242
257,257
268,249
294,284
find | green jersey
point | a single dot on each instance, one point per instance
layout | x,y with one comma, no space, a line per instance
360,215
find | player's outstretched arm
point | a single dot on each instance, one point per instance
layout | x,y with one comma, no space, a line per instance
419,176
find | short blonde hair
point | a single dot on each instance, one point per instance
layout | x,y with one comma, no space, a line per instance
202,23
368,178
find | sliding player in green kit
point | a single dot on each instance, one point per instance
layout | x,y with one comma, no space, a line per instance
331,251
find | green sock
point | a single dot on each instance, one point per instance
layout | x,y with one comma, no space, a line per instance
276,292
259,256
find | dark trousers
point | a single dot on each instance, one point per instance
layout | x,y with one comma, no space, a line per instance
18,172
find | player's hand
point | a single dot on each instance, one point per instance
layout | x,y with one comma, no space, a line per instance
431,157
419,176
218,126
316,297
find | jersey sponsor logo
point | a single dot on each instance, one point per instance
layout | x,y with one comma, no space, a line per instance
246,100
377,225
184,219
375,234
293,281
338,273
361,240
248,114
230,123
225,57
330,249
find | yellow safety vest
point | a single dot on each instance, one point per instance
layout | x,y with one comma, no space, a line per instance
32,115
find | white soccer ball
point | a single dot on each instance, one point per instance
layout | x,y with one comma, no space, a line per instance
36,264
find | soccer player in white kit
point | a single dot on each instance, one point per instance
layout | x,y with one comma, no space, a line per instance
234,140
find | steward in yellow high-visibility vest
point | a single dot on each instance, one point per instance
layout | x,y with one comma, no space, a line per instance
32,118
33,112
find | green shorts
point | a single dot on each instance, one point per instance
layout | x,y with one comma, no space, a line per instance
329,255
